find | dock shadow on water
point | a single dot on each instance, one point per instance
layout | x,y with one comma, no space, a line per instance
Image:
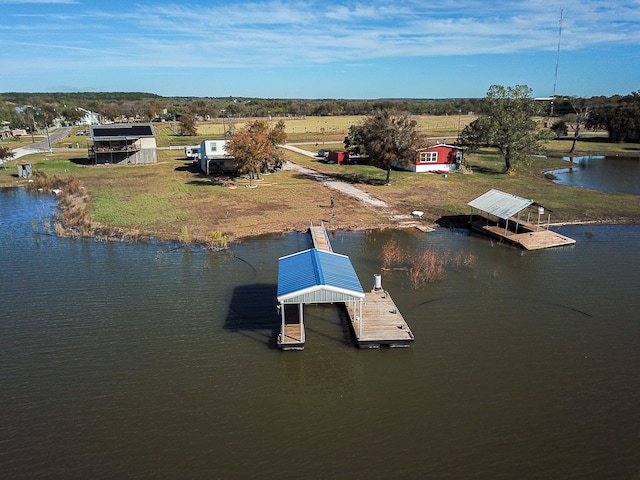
253,313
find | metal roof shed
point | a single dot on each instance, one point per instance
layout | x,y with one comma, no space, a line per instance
501,204
314,276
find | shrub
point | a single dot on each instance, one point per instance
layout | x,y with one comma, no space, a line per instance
392,254
217,241
184,235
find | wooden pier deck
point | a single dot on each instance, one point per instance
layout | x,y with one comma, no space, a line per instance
529,236
292,338
320,238
375,320
381,322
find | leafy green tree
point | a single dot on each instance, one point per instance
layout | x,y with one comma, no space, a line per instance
560,128
507,124
72,115
5,155
620,116
354,140
388,137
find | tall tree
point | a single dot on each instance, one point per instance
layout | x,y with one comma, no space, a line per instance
507,124
256,145
388,137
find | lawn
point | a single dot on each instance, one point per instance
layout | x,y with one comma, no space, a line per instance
171,198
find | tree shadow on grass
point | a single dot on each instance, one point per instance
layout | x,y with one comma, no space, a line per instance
353,179
631,149
253,313
592,139
80,161
361,179
486,170
203,180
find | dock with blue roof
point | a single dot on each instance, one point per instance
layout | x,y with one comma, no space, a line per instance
319,275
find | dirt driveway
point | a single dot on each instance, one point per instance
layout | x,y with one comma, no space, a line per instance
401,220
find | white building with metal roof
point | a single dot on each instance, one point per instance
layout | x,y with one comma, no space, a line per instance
310,277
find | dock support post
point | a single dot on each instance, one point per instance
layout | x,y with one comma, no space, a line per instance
360,320
282,322
301,313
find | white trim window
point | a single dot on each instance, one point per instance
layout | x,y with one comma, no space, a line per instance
428,157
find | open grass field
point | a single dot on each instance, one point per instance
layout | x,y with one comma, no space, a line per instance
330,128
172,200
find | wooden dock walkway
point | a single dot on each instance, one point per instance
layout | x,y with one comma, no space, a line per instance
375,320
381,323
319,237
293,337
529,236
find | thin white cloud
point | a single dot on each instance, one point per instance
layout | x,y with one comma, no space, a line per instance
274,32
39,2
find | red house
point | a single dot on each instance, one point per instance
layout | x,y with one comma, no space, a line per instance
437,158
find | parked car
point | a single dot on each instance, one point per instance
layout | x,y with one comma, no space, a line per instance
323,152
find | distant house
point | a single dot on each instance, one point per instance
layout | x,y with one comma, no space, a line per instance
213,158
19,132
122,145
5,131
90,118
440,157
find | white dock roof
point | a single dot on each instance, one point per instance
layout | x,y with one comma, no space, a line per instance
502,205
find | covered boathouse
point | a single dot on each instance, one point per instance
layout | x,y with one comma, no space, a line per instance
514,219
310,277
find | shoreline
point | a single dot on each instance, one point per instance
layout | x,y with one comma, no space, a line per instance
102,233
172,201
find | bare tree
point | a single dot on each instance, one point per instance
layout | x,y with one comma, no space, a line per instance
582,112
188,125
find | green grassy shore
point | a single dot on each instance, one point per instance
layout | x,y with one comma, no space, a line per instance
172,200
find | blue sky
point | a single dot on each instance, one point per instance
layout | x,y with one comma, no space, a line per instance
320,49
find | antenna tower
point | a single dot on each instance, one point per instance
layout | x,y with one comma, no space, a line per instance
555,78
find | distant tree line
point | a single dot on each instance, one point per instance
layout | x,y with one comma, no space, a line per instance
618,115
149,107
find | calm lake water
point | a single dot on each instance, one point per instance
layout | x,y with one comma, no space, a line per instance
143,361
611,174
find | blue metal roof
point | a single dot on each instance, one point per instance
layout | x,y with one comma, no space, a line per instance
316,276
